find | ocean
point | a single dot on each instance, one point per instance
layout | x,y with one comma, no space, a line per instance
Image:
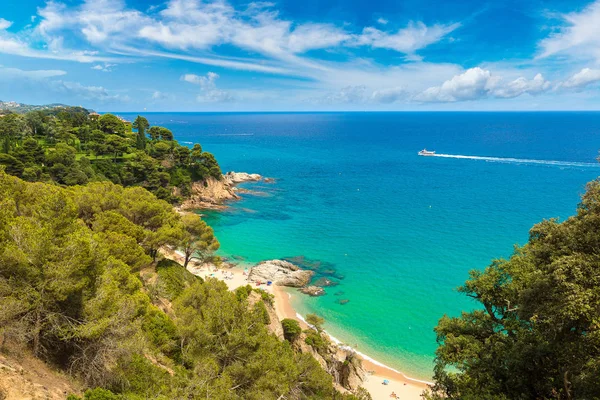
396,232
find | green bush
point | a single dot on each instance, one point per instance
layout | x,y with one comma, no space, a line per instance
291,329
174,278
99,394
314,339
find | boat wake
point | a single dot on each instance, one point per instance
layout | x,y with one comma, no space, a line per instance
521,161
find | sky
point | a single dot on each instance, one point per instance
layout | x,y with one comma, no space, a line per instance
308,55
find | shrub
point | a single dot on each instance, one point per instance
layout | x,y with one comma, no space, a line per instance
291,329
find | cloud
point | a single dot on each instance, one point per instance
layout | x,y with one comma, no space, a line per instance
390,95
408,40
477,83
157,95
521,85
4,24
104,68
582,79
579,35
473,84
209,91
193,29
90,93
382,21
12,73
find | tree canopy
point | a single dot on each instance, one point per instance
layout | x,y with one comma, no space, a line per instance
78,287
72,147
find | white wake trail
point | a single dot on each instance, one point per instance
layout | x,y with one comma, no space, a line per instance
521,161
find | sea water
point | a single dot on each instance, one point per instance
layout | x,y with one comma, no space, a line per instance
397,232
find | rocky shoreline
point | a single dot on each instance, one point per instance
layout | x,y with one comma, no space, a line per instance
213,194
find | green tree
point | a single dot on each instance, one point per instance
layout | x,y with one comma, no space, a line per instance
141,124
111,125
291,329
116,145
198,238
536,334
316,321
11,164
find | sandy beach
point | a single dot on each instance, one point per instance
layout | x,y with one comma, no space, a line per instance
404,387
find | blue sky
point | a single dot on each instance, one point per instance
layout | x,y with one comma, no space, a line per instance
192,55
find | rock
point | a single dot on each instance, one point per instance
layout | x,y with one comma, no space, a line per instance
313,291
275,324
342,301
351,372
269,180
233,178
280,272
325,282
341,292
211,193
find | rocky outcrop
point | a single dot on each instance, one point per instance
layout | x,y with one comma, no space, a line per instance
282,273
342,364
233,178
313,291
213,193
274,324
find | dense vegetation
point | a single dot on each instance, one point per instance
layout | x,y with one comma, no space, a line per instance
537,334
78,287
69,147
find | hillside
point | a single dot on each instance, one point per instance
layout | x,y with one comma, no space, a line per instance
21,108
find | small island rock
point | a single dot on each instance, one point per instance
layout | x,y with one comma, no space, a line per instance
233,178
313,291
282,273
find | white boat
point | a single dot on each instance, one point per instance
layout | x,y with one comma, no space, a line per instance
426,152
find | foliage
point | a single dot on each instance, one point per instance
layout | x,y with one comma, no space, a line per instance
198,239
536,335
316,340
71,147
291,329
316,321
173,279
70,291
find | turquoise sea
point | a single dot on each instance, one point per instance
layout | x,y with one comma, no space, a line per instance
398,232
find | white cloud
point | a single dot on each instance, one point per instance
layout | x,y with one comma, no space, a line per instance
521,85
4,24
473,84
11,73
209,91
408,40
382,21
582,79
192,28
390,95
157,95
90,93
477,83
107,67
579,35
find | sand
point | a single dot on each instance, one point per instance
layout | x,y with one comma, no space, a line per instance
234,277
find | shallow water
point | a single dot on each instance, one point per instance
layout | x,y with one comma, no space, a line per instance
398,232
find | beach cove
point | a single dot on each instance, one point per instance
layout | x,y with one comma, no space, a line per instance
376,373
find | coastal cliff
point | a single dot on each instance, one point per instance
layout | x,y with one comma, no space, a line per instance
213,193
